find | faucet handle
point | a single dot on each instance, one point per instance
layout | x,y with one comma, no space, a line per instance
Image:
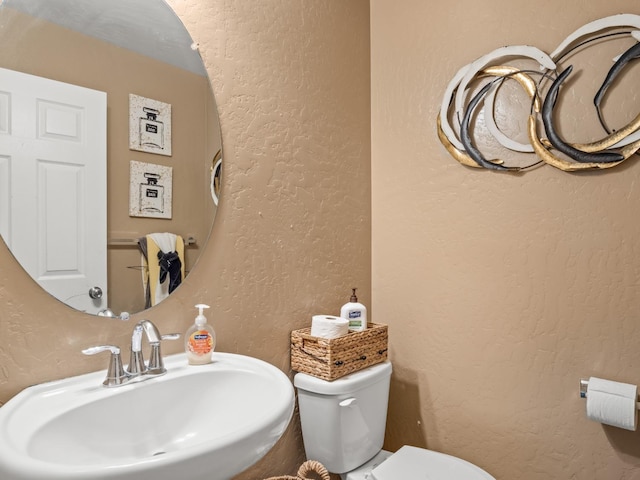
156,363
101,348
170,336
115,372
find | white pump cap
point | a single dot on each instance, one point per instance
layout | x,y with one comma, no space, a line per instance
201,319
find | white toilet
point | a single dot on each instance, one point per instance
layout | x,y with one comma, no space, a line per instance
343,425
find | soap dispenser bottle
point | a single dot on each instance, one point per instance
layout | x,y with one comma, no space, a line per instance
356,313
200,339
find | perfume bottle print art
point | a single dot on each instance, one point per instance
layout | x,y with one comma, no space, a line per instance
151,194
150,190
149,125
151,129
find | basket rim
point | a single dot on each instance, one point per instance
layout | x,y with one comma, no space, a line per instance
305,332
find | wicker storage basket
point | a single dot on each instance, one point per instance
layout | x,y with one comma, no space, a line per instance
331,358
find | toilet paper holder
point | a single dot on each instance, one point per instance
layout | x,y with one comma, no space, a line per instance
584,385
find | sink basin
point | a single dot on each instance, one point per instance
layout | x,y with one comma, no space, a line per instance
196,422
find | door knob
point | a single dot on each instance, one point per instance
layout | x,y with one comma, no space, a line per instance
95,292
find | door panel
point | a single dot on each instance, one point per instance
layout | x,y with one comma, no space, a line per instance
53,178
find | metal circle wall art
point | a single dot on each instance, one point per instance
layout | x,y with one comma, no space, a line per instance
463,105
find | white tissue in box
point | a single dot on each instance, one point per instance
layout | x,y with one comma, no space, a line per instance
328,326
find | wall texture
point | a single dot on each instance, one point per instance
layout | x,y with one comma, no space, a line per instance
500,291
292,233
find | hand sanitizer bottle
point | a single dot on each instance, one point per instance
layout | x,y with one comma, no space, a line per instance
200,340
356,313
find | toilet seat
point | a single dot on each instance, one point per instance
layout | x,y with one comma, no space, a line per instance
420,464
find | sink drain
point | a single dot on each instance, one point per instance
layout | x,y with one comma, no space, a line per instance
158,453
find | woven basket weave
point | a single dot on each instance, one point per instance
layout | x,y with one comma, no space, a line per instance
310,466
331,358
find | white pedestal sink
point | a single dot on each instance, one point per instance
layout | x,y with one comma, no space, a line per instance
196,422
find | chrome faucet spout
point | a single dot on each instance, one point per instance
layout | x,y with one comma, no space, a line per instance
155,365
152,332
136,361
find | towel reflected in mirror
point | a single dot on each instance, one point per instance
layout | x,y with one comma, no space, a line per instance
162,276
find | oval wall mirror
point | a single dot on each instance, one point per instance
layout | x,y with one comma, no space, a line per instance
110,149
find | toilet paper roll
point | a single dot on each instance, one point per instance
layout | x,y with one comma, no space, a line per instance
612,403
328,326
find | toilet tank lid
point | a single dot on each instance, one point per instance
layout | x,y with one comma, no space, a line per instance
412,462
347,384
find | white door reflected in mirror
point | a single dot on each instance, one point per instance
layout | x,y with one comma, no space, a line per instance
55,219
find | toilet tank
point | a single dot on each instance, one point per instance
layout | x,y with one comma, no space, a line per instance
343,421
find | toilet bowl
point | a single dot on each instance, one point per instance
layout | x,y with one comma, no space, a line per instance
343,424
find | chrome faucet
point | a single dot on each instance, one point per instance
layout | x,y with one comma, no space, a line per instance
155,367
137,368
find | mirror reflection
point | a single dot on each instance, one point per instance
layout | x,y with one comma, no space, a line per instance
110,149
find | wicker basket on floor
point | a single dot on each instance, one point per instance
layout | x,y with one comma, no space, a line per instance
310,466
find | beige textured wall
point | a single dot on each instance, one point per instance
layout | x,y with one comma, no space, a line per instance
292,233
500,291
